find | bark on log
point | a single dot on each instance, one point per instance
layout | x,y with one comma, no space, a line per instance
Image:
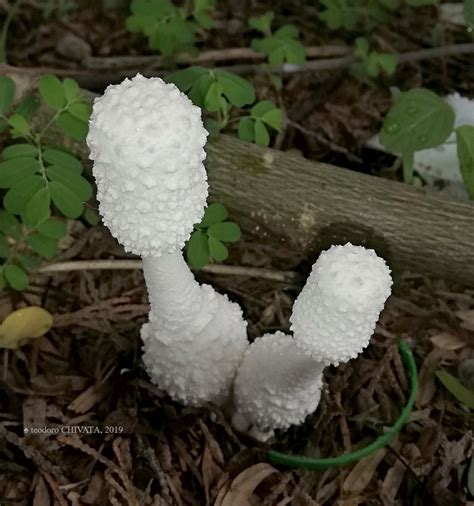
309,206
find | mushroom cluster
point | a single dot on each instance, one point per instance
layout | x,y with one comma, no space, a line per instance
147,143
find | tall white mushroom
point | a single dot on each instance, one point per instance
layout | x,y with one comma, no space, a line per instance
147,142
278,383
335,314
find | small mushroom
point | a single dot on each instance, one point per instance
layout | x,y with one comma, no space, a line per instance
147,142
335,314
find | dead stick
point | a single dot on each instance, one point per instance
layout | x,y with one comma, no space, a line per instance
224,270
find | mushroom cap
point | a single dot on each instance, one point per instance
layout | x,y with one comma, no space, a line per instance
335,314
146,139
277,384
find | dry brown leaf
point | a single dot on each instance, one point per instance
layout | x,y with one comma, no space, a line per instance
84,401
245,483
392,481
41,497
447,341
427,385
363,472
467,318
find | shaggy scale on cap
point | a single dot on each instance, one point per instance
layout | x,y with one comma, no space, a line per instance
146,140
277,385
335,314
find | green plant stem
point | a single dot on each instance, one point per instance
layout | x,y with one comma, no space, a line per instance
6,26
300,462
408,170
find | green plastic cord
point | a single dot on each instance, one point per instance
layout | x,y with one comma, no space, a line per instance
297,461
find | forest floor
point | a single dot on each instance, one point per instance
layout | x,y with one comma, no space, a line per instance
88,369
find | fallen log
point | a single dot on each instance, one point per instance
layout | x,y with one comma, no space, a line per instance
309,205
305,206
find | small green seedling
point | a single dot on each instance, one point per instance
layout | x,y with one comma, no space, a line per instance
41,183
419,119
218,91
209,237
170,29
279,47
371,63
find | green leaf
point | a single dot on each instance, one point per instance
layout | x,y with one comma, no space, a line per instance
197,250
470,477
227,231
20,150
62,159
19,125
217,249
261,108
28,106
7,93
44,246
53,228
71,89
4,248
91,216
200,89
184,79
388,62
212,100
465,149
72,126
419,3
214,213
262,23
287,32
262,137
469,17
239,91
3,124
29,262
14,170
52,91
38,208
81,111
456,388
212,126
18,196
66,201
16,277
419,119
246,129
76,183
9,225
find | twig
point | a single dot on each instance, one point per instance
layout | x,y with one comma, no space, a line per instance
212,56
221,270
93,80
335,147
150,455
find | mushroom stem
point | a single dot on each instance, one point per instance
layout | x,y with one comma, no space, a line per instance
172,290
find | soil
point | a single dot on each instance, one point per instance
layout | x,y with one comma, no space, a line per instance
87,370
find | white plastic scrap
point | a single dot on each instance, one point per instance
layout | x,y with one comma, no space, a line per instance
442,163
335,314
277,386
146,140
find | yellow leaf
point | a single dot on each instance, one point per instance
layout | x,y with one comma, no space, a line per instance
27,322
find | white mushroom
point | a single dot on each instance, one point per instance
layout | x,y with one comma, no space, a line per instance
335,314
278,383
277,386
147,142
